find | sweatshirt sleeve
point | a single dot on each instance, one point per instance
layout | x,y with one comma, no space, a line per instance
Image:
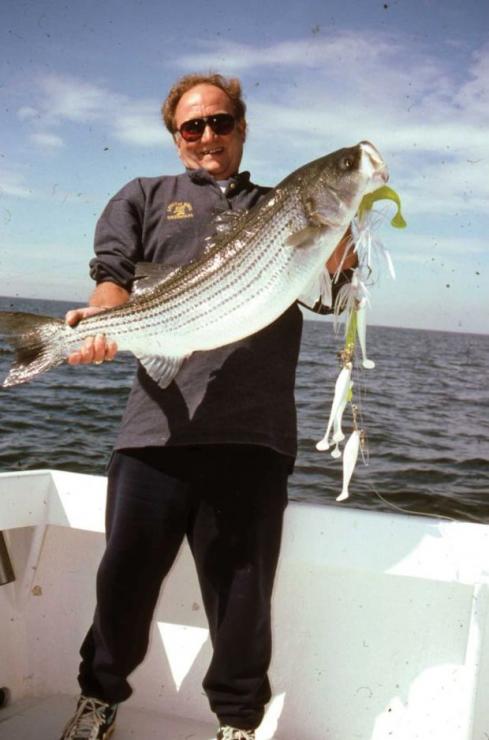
118,237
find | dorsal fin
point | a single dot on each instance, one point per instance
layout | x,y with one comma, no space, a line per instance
225,221
149,274
225,224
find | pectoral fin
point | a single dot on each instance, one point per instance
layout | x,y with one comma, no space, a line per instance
317,223
318,290
162,369
302,238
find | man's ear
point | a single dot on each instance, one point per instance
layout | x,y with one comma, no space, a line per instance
177,140
242,128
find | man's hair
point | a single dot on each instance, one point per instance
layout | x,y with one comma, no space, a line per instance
230,85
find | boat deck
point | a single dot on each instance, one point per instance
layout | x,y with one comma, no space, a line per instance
44,719
381,624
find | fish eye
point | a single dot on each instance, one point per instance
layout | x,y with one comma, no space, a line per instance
346,163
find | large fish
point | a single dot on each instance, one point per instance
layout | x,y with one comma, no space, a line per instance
256,266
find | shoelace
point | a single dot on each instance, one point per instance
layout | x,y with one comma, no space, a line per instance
230,733
88,719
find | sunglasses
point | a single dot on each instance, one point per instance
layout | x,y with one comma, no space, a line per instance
220,123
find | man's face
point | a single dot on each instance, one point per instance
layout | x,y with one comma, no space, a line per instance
220,154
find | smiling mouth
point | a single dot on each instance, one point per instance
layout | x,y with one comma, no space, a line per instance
211,151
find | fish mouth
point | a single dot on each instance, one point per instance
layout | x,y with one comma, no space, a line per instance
374,162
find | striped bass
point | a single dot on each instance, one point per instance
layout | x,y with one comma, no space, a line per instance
256,266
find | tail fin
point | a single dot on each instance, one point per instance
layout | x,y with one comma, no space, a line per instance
35,340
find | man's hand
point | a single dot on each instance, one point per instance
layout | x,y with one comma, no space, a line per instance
343,255
96,349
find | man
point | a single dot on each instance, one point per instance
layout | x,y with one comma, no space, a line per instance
208,457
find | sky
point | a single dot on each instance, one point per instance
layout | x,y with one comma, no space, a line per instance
81,84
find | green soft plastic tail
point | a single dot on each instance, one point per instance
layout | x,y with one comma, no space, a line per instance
351,331
383,193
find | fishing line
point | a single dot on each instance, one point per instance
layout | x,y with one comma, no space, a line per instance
365,453
352,299
407,511
360,391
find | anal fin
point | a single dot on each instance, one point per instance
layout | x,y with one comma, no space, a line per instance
162,369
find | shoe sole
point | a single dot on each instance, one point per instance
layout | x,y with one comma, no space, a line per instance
107,735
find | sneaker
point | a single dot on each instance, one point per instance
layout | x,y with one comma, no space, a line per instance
93,720
232,733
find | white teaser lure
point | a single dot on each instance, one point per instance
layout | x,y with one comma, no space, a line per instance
353,299
362,334
338,434
341,389
350,456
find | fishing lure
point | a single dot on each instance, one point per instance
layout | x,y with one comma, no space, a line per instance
352,300
342,387
350,456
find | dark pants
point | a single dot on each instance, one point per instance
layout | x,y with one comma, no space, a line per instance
229,501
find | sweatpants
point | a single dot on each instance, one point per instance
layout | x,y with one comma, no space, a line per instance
228,500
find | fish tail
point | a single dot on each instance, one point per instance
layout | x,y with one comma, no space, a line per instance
36,342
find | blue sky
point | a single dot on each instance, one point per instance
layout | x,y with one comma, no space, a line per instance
81,85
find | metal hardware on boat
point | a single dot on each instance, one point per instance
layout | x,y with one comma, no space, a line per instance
7,574
4,696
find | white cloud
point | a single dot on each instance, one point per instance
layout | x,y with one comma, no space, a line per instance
47,141
421,247
427,117
449,188
69,98
140,126
27,271
351,123
373,69
26,113
334,51
374,74
474,93
62,99
13,184
435,168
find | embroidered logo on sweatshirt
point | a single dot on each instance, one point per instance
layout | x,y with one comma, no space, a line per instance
179,209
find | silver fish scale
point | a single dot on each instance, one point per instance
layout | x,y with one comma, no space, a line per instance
239,270
235,277
249,275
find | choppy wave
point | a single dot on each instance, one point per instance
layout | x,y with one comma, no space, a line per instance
424,408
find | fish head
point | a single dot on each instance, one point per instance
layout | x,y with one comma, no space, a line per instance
333,186
373,167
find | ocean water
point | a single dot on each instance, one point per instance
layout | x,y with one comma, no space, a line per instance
424,409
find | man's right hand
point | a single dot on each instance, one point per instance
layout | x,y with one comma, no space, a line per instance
96,349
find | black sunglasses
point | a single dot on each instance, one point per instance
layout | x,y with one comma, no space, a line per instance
220,123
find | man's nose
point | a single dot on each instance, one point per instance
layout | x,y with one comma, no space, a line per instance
208,133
